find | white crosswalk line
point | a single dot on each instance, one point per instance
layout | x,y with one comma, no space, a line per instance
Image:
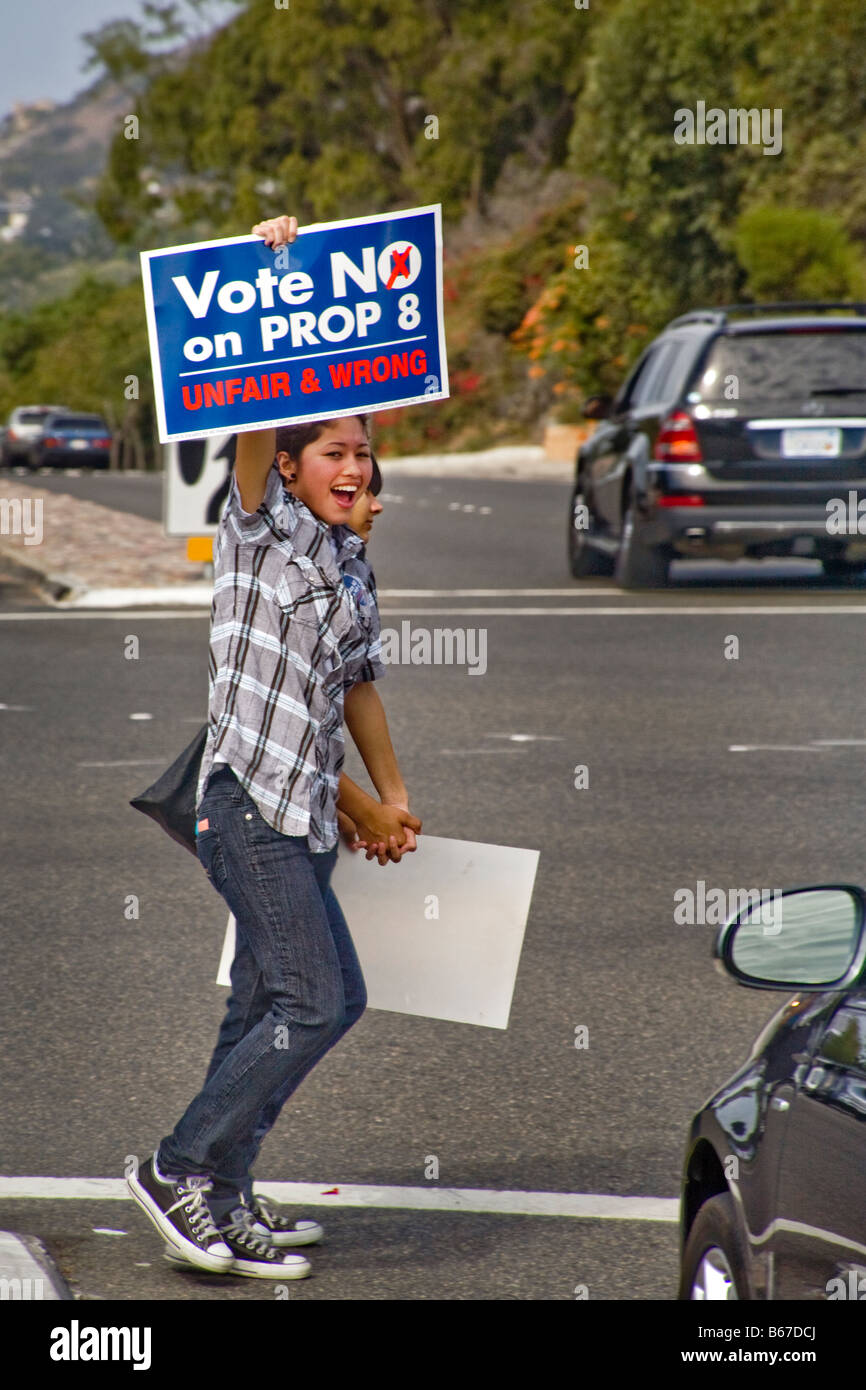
580,1205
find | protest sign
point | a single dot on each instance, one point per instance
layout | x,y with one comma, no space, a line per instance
440,933
346,319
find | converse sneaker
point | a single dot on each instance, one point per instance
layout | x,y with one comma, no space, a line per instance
280,1228
254,1255
178,1210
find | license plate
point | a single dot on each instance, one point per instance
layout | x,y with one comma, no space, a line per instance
803,545
78,443
811,443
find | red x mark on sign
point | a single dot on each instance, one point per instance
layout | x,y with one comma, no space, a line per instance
400,266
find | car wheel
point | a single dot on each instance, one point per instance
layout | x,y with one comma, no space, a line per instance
714,1260
836,568
583,557
639,565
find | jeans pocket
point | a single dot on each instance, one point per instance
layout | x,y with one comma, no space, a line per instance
209,850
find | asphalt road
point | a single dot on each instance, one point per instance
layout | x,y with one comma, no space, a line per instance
109,1022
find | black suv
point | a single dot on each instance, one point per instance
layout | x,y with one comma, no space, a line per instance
741,431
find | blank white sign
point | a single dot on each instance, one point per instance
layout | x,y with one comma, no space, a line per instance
438,934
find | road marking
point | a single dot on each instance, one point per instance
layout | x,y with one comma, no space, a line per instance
816,745
92,615
493,593
739,612
764,610
584,1205
774,748
840,742
464,752
129,762
529,738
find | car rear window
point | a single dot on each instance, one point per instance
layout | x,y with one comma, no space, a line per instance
782,365
31,417
78,422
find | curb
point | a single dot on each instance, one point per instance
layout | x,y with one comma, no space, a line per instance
192,596
28,1273
51,586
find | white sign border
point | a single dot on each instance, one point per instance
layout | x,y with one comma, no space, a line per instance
147,256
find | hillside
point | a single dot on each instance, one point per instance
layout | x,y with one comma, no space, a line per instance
52,158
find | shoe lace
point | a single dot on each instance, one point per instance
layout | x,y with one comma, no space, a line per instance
259,1207
192,1200
242,1228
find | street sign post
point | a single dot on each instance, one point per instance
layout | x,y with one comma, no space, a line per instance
196,484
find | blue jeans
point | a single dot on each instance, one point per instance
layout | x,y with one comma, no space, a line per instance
297,987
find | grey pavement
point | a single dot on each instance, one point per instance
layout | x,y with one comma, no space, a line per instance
110,1019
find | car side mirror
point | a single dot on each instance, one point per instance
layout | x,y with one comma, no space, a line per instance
804,938
596,407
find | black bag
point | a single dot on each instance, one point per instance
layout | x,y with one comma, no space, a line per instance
171,799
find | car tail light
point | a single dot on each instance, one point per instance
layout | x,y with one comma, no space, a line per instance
10,434
681,499
102,443
677,441
51,443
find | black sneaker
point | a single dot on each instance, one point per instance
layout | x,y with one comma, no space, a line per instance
280,1226
180,1213
254,1255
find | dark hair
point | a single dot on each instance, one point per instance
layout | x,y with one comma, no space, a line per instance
293,439
376,480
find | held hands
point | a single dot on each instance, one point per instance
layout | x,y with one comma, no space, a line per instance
389,833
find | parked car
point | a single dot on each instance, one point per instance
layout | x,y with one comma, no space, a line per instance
71,440
740,432
23,428
774,1180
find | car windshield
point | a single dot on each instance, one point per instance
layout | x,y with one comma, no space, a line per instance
77,422
795,363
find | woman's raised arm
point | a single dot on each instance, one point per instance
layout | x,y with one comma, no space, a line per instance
256,448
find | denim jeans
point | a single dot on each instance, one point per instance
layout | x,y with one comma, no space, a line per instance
297,988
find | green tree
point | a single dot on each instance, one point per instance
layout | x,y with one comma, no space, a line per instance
797,253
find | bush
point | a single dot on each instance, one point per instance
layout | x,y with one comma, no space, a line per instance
797,253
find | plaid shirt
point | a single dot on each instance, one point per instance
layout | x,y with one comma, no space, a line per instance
287,637
361,583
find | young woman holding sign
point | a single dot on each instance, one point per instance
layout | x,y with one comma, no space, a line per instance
285,644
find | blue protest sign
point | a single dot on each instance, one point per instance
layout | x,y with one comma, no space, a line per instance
346,319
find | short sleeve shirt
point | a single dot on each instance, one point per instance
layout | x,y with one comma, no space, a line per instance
286,640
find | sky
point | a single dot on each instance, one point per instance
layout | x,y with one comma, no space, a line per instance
41,52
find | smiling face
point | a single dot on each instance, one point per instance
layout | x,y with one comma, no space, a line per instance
333,471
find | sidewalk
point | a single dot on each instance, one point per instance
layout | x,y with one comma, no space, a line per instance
82,555
72,551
